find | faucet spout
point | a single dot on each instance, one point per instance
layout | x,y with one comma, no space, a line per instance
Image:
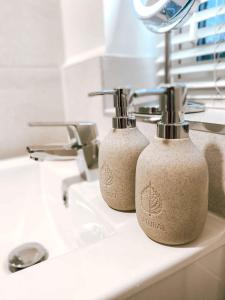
83,146
51,152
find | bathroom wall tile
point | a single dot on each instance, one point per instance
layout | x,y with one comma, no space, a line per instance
28,95
78,81
30,33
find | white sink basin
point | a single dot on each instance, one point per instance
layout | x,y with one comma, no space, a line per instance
96,252
32,210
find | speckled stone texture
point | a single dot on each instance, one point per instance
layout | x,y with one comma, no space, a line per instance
118,156
212,146
172,191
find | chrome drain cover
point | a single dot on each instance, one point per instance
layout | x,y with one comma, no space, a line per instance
26,256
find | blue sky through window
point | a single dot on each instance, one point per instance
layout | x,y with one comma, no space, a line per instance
212,39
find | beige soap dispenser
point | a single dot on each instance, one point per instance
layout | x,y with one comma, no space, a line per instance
118,154
171,177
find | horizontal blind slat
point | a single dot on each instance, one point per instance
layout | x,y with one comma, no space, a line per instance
206,97
193,69
200,33
194,52
206,14
204,78
205,84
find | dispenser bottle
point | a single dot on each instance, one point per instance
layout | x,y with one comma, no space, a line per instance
118,154
171,177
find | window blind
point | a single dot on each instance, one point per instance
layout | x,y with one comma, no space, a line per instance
198,54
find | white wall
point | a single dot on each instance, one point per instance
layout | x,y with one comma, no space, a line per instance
85,32
79,80
125,35
82,26
30,33
84,42
48,64
36,39
31,51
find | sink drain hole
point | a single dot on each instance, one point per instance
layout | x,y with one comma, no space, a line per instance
26,255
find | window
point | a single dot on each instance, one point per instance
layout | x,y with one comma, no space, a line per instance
198,54
217,20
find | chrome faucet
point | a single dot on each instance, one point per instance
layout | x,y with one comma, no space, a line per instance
83,146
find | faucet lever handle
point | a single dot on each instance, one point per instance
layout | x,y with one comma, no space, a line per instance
149,92
53,124
83,132
101,93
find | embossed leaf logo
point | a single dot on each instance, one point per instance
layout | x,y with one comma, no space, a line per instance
150,200
106,174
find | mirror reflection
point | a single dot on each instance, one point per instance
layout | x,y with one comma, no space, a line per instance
193,54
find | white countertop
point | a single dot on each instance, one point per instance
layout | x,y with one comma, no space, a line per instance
118,266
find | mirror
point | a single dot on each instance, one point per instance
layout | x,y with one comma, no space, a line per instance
194,54
162,15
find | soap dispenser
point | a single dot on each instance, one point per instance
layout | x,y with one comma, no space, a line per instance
118,154
171,176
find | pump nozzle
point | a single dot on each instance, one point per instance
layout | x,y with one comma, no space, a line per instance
121,102
172,101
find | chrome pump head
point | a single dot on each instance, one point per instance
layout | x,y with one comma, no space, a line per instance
121,99
172,124
172,101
